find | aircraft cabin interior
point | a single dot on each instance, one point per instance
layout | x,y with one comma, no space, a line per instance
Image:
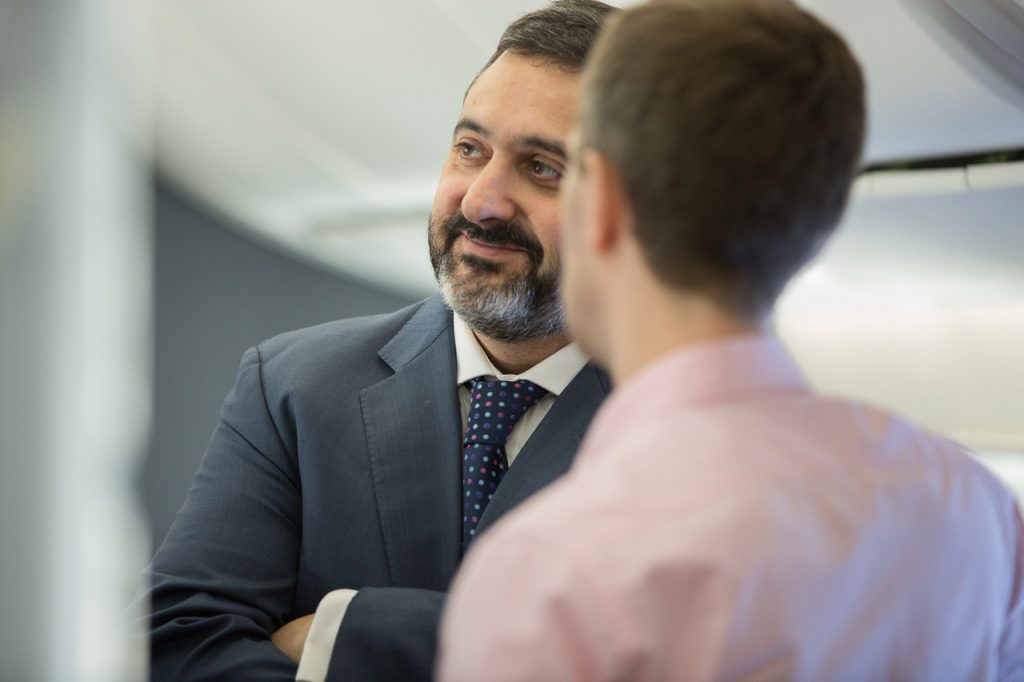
180,179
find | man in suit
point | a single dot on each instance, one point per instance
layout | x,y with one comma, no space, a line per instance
355,461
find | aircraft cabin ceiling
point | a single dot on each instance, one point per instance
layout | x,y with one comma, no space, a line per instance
321,126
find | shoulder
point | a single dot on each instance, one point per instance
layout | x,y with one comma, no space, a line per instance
337,336
344,348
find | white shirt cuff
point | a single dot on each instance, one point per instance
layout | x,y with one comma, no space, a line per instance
316,655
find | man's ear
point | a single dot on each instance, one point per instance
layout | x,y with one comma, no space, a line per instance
609,202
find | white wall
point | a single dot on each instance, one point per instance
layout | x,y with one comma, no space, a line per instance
918,305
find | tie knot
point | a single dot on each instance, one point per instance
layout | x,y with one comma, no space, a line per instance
496,406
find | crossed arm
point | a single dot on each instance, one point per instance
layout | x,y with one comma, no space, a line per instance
226,596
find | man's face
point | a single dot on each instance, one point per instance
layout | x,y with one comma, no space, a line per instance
578,281
494,224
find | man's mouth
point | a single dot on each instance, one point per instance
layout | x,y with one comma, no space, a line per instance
489,249
494,245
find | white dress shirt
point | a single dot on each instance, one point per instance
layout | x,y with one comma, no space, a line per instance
553,374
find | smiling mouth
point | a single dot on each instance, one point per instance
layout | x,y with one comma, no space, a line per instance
485,248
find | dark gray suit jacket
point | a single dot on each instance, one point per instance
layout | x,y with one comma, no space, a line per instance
336,464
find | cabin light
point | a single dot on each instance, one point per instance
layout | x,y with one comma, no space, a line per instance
996,176
939,182
814,275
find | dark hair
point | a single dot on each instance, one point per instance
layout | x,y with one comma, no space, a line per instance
560,34
737,127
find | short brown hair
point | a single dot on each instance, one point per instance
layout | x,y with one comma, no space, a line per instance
561,33
737,127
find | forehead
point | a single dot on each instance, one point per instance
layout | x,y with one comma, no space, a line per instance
519,96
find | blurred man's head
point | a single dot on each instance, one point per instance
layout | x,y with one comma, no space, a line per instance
494,223
732,129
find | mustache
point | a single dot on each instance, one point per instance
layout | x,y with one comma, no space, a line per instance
501,234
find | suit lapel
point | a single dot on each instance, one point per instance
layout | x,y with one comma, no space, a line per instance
413,438
550,450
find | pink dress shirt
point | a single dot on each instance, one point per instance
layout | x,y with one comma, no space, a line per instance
723,522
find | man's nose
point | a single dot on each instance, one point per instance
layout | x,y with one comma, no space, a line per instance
489,197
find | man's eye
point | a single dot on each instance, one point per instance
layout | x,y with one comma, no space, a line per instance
466,150
544,171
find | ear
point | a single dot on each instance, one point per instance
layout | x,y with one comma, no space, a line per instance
609,202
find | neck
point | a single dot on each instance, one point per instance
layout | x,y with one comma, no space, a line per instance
660,321
631,358
516,358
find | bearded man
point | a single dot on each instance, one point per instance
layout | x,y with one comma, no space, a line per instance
356,461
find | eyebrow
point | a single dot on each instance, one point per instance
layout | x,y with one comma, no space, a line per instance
553,147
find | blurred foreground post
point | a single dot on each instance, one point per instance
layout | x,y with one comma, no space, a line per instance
75,289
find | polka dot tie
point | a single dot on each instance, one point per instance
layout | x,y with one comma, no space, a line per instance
494,409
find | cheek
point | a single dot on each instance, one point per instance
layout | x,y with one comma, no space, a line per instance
576,276
569,212
573,297
547,226
450,190
583,310
569,242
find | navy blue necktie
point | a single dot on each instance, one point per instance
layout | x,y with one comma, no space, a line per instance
494,408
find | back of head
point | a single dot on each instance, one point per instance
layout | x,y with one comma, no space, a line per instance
737,128
560,34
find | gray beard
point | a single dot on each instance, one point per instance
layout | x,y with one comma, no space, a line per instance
516,310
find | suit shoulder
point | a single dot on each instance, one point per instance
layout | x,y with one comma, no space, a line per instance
354,336
345,351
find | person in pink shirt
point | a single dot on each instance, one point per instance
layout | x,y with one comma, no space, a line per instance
722,521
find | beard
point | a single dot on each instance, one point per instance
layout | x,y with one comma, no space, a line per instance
506,306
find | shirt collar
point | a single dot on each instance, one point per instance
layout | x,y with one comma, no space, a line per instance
730,370
552,374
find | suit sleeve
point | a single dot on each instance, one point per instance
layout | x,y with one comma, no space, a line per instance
388,633
224,578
